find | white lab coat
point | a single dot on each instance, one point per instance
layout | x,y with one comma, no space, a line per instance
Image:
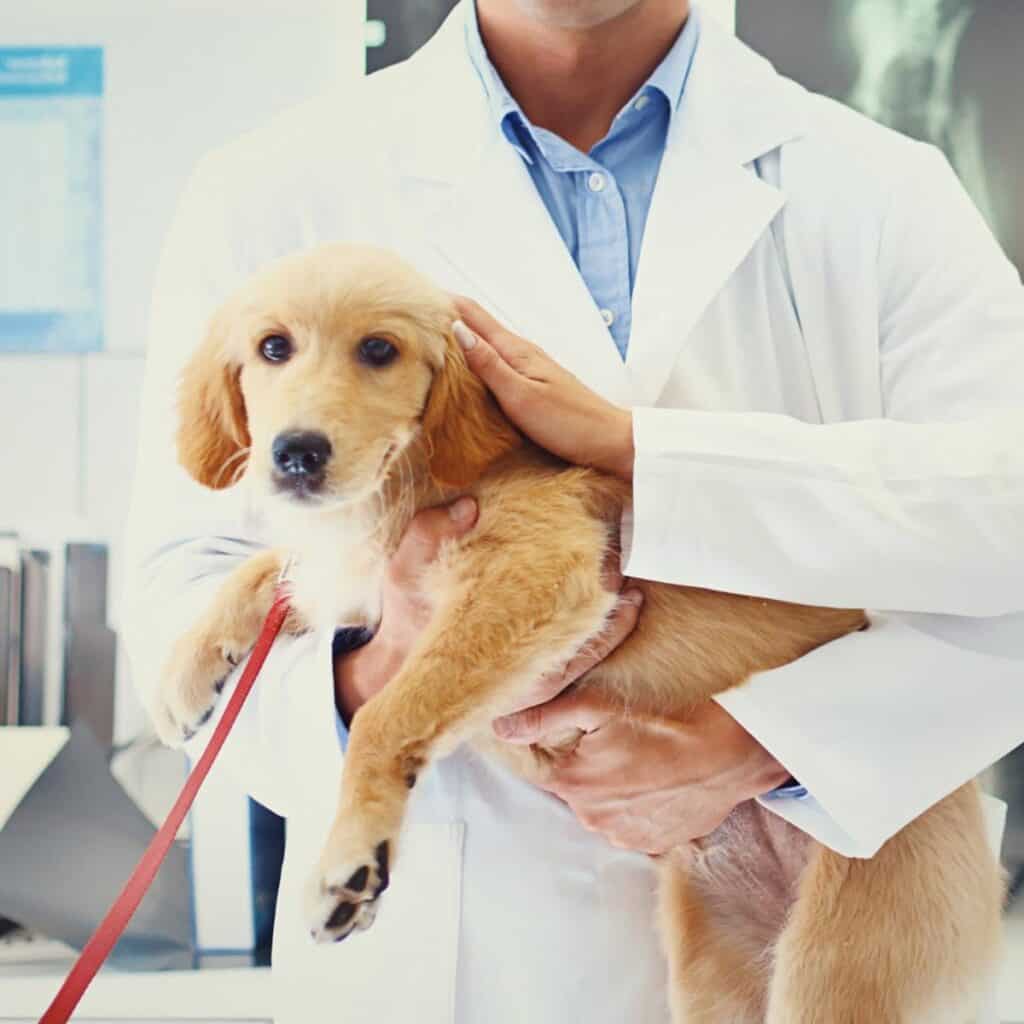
827,370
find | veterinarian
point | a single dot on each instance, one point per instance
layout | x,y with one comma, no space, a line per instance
786,325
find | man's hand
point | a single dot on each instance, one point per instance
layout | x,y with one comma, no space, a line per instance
646,782
544,400
406,611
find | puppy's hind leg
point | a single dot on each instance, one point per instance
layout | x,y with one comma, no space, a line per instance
489,639
910,936
712,979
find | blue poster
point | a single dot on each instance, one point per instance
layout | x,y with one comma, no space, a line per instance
51,199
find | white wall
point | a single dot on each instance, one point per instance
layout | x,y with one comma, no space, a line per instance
181,76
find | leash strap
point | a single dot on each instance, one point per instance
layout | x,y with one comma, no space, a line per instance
103,940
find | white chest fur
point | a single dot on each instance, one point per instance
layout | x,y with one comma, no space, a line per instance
337,565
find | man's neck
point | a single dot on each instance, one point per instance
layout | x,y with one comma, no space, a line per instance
574,81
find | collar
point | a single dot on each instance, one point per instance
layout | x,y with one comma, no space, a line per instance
668,78
737,106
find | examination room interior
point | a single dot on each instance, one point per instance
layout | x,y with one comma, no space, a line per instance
105,108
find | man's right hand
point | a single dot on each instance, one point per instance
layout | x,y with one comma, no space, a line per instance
405,609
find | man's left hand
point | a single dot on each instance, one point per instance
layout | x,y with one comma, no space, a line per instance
544,400
647,782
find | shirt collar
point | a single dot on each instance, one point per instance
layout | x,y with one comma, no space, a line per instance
668,78
499,99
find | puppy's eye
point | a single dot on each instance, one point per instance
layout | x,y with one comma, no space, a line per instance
276,348
376,352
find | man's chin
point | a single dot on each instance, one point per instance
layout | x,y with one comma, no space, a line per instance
575,15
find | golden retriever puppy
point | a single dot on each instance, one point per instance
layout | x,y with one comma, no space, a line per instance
332,384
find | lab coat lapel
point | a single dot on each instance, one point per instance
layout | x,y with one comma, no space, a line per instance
482,216
709,207
497,232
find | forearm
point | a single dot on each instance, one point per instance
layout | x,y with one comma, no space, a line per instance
877,514
910,494
881,724
361,668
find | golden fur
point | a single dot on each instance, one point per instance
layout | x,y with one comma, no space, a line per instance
760,923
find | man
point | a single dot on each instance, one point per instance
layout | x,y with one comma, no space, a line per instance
794,334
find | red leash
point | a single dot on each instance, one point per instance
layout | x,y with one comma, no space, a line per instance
103,940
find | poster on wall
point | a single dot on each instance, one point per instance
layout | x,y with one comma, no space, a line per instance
948,72
51,196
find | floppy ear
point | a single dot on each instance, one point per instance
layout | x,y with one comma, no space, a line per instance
465,431
212,427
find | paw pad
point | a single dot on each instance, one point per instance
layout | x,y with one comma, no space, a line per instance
352,906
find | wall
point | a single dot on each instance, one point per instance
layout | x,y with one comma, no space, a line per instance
181,76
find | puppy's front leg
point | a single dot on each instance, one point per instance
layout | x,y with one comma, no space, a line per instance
203,657
489,641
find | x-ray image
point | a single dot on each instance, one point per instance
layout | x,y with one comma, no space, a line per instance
403,26
948,72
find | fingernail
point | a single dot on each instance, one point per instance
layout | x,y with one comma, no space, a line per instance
463,335
633,597
462,511
504,728
514,729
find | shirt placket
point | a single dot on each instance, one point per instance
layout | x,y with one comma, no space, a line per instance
603,250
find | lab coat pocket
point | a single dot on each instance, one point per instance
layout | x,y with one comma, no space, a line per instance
403,967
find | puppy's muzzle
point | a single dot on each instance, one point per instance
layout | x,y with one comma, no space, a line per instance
300,461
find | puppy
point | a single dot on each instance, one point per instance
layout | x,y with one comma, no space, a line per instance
331,384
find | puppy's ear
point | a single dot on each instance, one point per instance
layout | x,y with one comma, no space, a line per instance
212,429
463,427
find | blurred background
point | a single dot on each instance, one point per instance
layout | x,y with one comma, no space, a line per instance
105,106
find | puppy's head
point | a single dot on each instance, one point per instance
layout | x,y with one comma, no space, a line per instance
324,370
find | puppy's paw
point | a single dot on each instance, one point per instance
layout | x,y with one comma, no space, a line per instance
342,895
190,685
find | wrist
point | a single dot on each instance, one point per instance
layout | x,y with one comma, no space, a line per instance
621,454
763,774
361,673
751,770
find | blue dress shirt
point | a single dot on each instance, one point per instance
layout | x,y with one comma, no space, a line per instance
598,200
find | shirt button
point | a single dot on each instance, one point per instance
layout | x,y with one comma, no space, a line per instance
641,102
596,182
608,317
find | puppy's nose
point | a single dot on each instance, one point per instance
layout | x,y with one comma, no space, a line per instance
301,453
